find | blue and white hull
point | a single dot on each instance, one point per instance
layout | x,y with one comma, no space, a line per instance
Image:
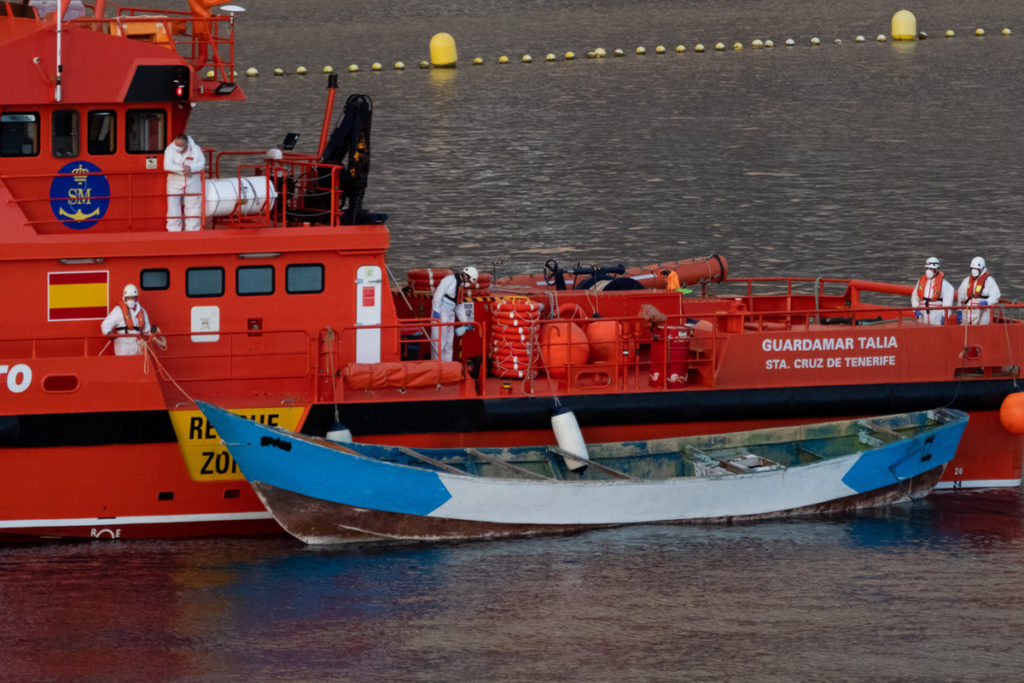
322,493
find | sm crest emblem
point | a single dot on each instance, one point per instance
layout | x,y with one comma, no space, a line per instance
80,195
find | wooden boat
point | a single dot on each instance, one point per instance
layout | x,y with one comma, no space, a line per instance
324,492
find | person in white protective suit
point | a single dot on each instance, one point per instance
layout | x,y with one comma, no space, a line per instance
447,306
978,291
184,162
128,320
932,295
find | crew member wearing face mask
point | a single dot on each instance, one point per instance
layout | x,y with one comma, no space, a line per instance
184,162
932,295
448,304
128,320
978,292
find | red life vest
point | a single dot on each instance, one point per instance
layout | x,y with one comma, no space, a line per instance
975,286
130,322
937,290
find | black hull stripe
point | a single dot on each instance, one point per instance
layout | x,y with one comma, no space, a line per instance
476,415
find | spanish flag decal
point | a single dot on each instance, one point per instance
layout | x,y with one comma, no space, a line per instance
77,296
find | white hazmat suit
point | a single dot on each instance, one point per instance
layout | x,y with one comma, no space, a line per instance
978,291
115,323
932,294
184,166
446,307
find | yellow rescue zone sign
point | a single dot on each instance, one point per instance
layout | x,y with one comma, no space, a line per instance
205,457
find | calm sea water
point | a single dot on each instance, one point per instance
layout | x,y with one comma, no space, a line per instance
840,160
928,591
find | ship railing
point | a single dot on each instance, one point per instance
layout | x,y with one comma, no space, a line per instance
137,200
205,41
307,190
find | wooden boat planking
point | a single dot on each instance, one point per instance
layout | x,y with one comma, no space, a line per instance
330,493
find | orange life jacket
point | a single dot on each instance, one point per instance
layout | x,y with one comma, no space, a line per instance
975,286
937,290
130,322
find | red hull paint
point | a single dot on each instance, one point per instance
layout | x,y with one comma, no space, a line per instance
266,310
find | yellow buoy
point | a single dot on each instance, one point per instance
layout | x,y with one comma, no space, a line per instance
660,49
1007,32
478,61
330,69
600,52
719,46
251,72
209,74
979,32
442,50
376,66
279,71
757,43
399,66
352,68
570,55
769,43
790,42
503,60
301,71
619,52
950,33
424,64
680,49
699,47
859,39
880,37
550,57
904,25
815,41
641,50
527,59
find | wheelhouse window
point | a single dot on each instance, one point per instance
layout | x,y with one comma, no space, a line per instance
19,134
102,132
146,131
305,278
201,282
155,278
254,280
64,133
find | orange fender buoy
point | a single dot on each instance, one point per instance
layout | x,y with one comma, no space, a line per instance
605,341
562,344
1011,413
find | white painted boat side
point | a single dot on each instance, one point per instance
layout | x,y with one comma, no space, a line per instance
513,501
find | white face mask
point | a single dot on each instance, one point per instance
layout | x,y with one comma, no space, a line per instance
975,272
929,273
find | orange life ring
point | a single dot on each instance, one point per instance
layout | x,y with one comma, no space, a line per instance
572,311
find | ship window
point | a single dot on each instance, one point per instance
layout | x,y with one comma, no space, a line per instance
155,278
102,129
306,278
252,280
204,282
19,134
64,133
146,130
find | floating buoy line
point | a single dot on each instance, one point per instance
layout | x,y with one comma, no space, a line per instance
443,52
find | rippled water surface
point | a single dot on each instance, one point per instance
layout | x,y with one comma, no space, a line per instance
840,160
931,591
